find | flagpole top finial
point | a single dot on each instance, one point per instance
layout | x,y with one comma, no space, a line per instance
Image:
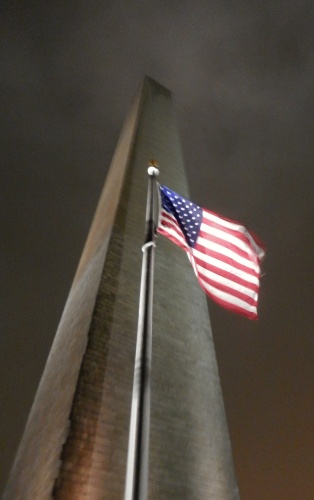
152,169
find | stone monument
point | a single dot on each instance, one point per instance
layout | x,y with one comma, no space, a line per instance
75,441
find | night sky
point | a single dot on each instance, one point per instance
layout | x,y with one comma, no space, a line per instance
242,75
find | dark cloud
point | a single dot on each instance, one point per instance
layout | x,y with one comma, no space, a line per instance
242,75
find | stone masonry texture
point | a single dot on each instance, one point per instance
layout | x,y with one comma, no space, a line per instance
75,441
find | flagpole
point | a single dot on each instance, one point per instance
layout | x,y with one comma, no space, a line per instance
138,450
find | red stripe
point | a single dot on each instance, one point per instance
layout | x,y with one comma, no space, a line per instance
166,215
231,291
225,274
226,260
163,229
165,225
249,254
231,307
237,233
170,221
172,238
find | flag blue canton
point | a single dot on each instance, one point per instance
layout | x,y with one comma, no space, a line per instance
187,214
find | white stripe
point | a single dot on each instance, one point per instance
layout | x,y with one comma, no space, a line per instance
173,232
175,235
235,227
234,240
226,282
228,298
170,219
225,267
230,225
228,253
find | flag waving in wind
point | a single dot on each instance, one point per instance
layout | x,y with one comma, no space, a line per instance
224,255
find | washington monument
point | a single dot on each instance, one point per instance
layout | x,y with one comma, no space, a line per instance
75,443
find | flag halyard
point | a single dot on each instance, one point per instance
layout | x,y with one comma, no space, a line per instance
224,255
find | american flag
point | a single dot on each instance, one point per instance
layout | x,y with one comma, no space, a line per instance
224,255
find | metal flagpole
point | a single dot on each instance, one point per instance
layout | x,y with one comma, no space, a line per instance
137,462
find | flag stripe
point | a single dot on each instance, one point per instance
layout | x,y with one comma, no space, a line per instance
224,284
217,288
223,275
169,227
238,240
227,297
224,239
235,307
224,299
209,260
234,229
223,222
227,252
170,221
173,236
212,277
226,260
